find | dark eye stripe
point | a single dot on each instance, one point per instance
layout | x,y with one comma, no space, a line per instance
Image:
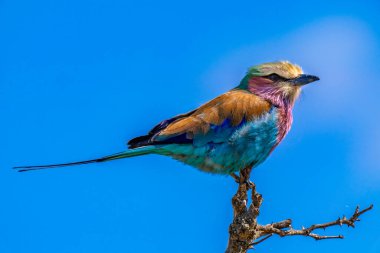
274,77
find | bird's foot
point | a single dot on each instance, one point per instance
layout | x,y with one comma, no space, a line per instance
249,183
243,178
235,177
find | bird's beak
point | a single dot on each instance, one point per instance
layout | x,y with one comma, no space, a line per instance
304,79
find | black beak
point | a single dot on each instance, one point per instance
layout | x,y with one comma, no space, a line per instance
304,79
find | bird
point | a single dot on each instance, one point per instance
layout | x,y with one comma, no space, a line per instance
235,131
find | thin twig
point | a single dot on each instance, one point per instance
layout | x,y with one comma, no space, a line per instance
276,228
261,240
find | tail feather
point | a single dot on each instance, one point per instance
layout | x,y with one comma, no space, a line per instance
124,154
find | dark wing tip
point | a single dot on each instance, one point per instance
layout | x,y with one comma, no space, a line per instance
139,141
146,140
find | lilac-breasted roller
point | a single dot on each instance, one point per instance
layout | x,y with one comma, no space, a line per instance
236,130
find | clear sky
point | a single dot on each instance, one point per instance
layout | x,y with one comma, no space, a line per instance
80,78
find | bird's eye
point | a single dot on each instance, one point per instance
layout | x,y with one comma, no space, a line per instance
274,77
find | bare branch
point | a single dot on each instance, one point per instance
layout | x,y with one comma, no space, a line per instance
276,228
243,228
244,231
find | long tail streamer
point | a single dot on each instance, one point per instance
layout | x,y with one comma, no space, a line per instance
124,154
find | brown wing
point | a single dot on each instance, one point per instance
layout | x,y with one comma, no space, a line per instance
235,105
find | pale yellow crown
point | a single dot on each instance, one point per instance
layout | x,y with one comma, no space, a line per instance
281,68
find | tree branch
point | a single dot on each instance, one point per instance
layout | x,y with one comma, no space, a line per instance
243,227
245,232
276,228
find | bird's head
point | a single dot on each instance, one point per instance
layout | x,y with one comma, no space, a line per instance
279,82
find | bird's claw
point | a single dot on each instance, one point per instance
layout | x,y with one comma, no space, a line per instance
235,177
242,180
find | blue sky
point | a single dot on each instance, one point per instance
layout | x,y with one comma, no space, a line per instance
80,78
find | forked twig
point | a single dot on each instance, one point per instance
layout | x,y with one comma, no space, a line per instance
277,228
245,233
